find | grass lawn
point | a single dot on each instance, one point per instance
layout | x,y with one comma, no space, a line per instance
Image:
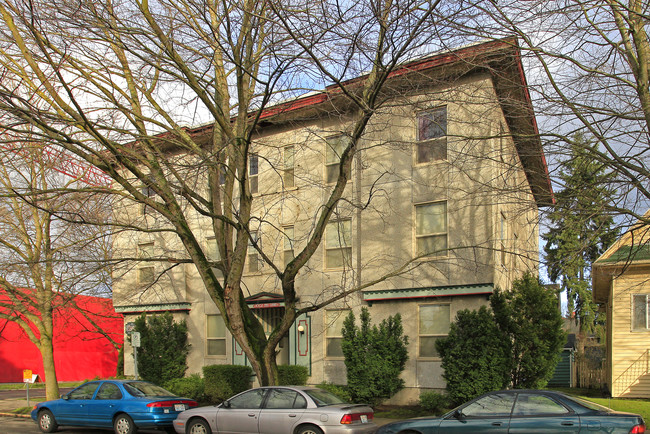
637,406
21,386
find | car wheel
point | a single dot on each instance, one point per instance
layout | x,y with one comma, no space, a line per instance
46,421
123,424
309,429
198,426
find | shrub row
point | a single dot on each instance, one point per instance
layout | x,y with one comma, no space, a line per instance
220,382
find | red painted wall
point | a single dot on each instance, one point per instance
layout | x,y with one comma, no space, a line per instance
79,352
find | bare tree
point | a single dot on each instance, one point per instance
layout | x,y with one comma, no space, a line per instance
46,258
117,81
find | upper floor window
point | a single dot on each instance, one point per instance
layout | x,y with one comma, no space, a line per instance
253,255
253,170
640,311
338,244
432,135
434,321
212,252
431,229
334,148
333,331
145,271
288,245
215,336
288,176
148,193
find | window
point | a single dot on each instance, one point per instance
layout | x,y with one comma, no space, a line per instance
333,335
146,273
503,235
212,252
215,336
251,399
85,391
338,244
148,193
640,311
434,320
288,245
333,151
284,399
431,229
532,405
432,135
493,405
253,256
253,170
109,391
288,176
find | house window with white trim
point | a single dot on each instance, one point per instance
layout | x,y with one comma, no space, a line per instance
145,271
253,171
253,255
334,148
433,322
640,311
215,335
431,229
287,249
432,136
288,176
338,244
333,332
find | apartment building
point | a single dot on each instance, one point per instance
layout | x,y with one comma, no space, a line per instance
441,208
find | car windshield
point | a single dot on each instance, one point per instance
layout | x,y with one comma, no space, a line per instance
323,397
141,388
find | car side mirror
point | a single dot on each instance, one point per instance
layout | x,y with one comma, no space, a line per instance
226,404
65,397
459,415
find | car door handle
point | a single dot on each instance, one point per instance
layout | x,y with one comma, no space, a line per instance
292,415
567,424
497,423
251,414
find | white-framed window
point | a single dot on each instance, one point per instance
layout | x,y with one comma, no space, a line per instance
432,135
338,244
287,249
288,175
433,324
431,229
253,171
253,255
212,250
334,147
215,335
333,334
640,311
146,274
503,236
149,193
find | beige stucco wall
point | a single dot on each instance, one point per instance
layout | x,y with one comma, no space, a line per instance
482,180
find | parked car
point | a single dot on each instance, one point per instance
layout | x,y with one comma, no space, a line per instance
124,405
523,411
279,410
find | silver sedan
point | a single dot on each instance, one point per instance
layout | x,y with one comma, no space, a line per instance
279,410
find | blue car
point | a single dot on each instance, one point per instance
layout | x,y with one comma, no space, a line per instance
124,405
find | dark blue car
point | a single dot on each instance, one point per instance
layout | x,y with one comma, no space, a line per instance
124,405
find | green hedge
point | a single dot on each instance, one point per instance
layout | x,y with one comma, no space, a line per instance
224,381
189,387
292,375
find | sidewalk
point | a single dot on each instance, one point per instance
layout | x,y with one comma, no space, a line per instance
8,405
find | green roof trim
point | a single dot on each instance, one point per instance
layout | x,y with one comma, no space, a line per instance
137,308
428,292
629,253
